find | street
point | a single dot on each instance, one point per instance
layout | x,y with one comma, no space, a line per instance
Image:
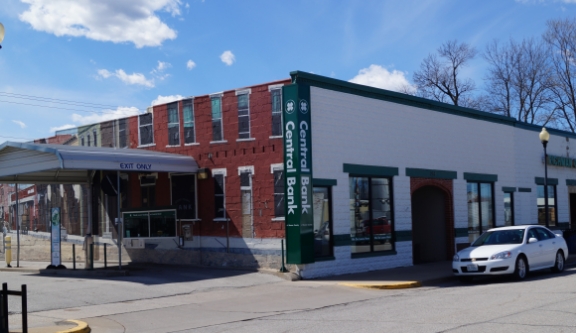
169,299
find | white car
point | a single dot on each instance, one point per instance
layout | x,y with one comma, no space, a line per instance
511,250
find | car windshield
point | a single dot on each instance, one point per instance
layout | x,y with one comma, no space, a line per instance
500,237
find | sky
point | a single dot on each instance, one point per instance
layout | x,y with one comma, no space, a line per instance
67,63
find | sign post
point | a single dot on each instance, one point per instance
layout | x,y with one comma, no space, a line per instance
298,207
55,241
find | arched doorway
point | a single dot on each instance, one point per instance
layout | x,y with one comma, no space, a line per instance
430,225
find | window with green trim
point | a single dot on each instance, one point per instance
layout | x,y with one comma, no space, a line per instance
552,208
371,220
217,130
173,125
480,208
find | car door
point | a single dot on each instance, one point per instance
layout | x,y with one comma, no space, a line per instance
533,251
548,241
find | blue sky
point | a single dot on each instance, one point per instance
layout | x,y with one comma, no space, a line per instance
74,62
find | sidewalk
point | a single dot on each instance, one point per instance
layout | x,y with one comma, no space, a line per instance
407,277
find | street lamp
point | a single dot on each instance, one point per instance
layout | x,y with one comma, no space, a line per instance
544,137
1,33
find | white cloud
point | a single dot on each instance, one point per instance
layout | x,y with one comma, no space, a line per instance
166,99
63,127
162,66
190,64
379,77
114,21
19,123
134,78
120,112
228,58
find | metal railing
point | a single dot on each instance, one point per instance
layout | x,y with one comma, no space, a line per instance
4,307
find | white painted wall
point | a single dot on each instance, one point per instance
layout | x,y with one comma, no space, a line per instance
352,129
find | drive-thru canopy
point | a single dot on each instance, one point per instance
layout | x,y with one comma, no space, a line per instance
28,163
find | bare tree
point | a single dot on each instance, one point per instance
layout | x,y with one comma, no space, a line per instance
561,37
439,75
519,80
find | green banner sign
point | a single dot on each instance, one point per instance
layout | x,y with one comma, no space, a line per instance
299,217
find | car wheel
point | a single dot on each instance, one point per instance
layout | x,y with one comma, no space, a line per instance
465,279
559,264
521,270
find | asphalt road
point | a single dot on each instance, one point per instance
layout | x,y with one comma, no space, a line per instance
211,300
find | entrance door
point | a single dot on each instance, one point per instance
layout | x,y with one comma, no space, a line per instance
429,239
572,210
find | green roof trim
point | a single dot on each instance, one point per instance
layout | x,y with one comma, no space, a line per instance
480,177
370,170
571,182
524,189
395,97
508,189
324,182
431,173
549,181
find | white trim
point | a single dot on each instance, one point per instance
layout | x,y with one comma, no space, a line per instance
276,219
153,174
172,146
220,171
246,168
275,137
275,86
276,167
218,94
148,145
221,141
192,144
243,91
247,139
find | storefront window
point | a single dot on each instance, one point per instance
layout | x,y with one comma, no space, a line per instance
322,222
508,208
552,209
148,224
480,209
371,214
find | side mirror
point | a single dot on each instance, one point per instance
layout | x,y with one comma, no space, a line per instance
532,240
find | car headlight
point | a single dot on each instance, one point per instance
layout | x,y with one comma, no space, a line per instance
456,258
501,255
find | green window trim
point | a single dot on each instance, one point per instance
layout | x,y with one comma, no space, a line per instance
524,189
571,182
431,173
324,182
550,181
370,170
480,177
508,189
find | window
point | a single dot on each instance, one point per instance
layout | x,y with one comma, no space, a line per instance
184,195
148,190
243,114
508,208
88,140
188,111
246,197
82,141
219,176
217,134
159,223
480,209
278,172
322,222
95,135
552,209
173,125
122,133
146,132
371,214
276,95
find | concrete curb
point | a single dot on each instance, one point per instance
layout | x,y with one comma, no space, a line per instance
81,327
383,285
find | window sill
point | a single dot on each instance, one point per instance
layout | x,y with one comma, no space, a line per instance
278,219
172,146
247,139
192,144
221,141
148,145
275,137
373,254
220,220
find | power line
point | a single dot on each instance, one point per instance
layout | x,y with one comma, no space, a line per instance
60,108
55,100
